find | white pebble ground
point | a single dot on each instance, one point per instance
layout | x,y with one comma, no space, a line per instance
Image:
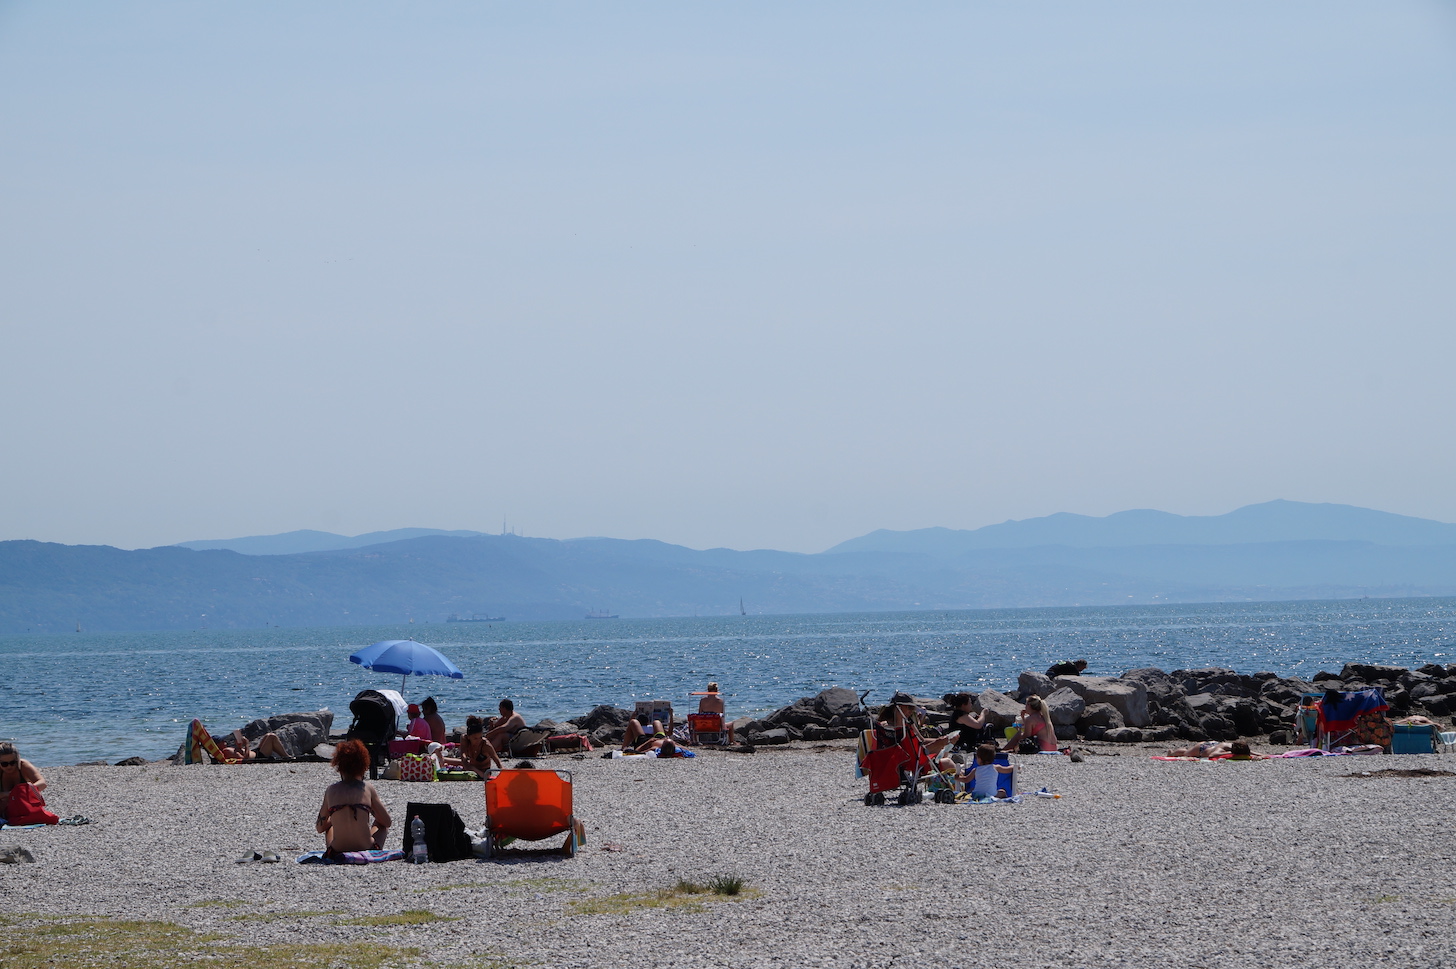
1139,863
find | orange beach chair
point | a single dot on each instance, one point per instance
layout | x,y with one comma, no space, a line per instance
530,805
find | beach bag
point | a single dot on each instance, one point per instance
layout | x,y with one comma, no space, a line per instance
445,837
1028,746
26,806
416,767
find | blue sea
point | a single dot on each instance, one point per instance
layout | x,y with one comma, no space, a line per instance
83,697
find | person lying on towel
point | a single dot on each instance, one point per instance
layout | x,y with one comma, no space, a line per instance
352,817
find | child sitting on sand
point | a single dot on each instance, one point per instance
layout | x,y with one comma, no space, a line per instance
982,777
349,804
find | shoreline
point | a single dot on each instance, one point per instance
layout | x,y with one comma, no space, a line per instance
1140,705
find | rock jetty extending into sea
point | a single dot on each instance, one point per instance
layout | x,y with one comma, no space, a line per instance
1140,706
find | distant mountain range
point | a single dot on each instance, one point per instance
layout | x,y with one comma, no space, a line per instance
307,540
1273,551
1272,521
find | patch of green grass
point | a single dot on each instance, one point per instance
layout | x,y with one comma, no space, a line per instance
413,916
120,944
685,894
218,903
452,886
625,903
727,884
549,884
493,960
1382,899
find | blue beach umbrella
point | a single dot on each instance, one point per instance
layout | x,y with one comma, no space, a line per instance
407,658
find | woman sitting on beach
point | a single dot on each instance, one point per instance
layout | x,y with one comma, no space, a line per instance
1036,724
350,803
14,772
965,728
431,711
476,753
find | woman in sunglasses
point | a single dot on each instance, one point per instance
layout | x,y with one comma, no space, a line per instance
13,773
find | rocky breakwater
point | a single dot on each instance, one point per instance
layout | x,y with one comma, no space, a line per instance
833,714
1215,704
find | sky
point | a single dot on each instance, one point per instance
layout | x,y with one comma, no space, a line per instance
749,275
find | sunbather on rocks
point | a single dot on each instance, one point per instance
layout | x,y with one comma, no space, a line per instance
352,817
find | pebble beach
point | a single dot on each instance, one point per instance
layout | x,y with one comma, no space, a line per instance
1138,863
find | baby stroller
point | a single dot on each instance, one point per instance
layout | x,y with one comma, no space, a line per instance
896,758
375,719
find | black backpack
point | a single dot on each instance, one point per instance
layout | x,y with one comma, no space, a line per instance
445,837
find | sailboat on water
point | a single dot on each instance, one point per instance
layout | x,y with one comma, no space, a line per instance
741,611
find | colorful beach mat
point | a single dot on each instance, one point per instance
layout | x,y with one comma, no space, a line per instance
373,856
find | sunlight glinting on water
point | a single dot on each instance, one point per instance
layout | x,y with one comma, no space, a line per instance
84,697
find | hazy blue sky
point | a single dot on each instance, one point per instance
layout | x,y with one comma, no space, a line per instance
734,274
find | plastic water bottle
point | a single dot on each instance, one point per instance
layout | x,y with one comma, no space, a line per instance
419,852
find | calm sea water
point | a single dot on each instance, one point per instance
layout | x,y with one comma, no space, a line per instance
84,697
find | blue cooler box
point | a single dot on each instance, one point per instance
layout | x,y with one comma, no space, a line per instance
1411,739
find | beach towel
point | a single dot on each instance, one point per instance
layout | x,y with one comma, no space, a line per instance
370,857
970,799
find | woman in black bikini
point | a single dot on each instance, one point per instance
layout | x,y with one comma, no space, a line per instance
352,817
476,753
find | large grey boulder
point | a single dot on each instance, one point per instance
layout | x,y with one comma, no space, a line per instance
1371,672
605,724
1001,709
800,713
299,733
1032,682
836,702
1123,735
1065,706
1101,715
1130,697
775,735
1160,686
